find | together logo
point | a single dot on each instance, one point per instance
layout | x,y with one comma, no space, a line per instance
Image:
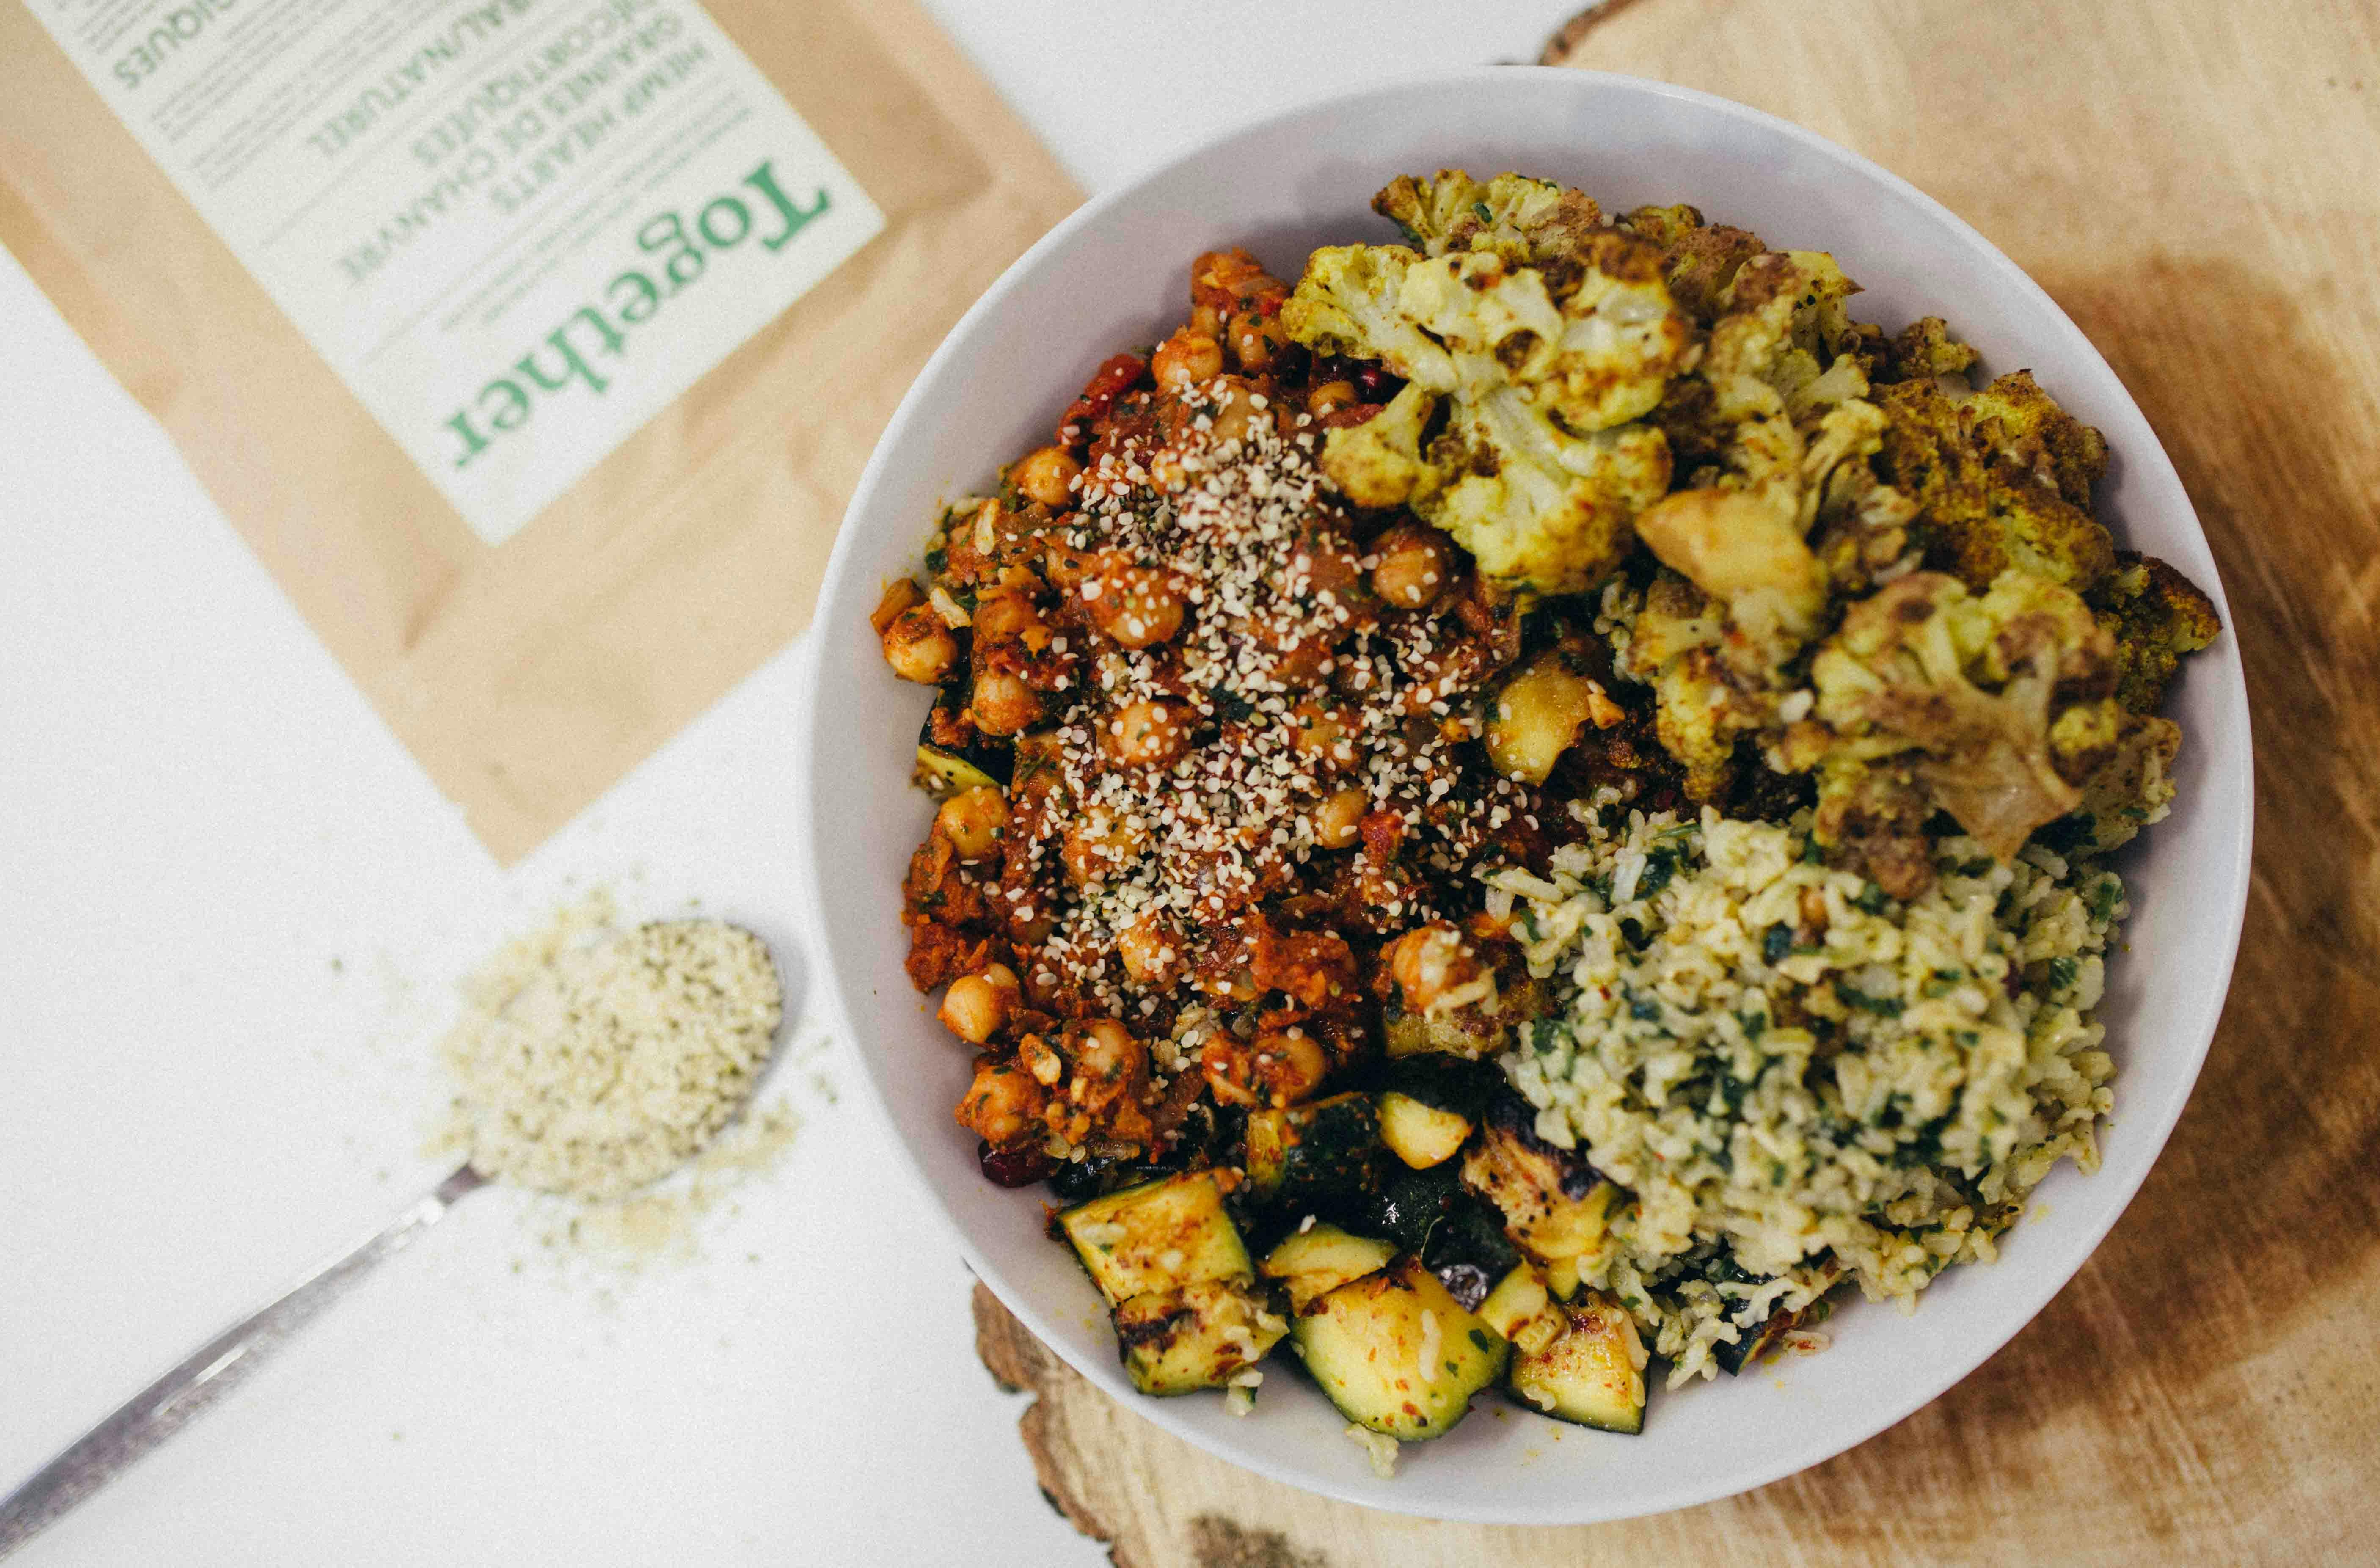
678,256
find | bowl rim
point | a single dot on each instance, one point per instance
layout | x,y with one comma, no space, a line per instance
2236,844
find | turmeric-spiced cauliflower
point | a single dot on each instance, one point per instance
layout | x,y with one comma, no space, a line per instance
1669,412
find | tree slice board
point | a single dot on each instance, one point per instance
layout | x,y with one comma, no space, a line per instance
2198,183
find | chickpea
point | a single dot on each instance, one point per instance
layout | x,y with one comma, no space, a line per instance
1146,735
1256,338
978,1007
1002,1104
1047,474
918,646
1007,617
1316,729
1330,397
1429,961
1337,821
973,820
1107,1053
1415,563
1184,360
1289,1065
1136,605
1150,950
1004,704
1239,412
1099,845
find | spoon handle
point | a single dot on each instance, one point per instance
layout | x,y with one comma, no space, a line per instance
158,1411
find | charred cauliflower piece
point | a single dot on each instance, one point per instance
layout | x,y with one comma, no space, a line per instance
1519,430
1991,490
1528,222
2157,615
1998,705
2132,788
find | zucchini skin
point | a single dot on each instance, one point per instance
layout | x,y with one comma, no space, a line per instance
1452,1083
1455,1236
1315,1157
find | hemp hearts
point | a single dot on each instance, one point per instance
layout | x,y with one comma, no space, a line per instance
589,1068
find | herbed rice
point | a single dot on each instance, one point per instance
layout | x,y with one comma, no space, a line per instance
1784,1107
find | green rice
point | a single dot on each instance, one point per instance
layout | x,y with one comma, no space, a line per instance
1784,1104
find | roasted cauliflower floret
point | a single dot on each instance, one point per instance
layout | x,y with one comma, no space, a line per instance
1999,705
1528,222
1698,260
1538,461
1924,349
1983,510
2132,788
2157,616
2015,420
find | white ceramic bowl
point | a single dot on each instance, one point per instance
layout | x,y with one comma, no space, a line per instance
1115,274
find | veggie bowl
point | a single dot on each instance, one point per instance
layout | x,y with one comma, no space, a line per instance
1301,1095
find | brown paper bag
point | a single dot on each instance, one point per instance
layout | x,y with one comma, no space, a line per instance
528,676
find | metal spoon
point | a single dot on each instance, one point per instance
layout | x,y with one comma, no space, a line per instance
158,1411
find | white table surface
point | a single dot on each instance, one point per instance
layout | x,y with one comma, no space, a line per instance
232,910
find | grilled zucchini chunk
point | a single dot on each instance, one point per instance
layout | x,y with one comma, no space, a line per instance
1590,1372
1468,1251
1197,1337
1397,1355
1156,1237
1320,1259
952,755
1418,1133
1757,1343
1312,1156
1430,1102
1553,1201
1477,1032
1518,1299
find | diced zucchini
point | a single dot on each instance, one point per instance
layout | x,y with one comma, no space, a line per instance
1473,1033
1158,1237
941,772
1420,1135
1397,1355
1757,1343
951,755
1322,1257
1197,1337
1562,1278
1553,1202
1518,1296
1305,1156
1468,1250
1592,1372
1409,1204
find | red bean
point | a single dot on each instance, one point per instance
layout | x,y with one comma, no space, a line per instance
1013,1167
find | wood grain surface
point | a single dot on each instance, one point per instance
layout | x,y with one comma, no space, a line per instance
2198,183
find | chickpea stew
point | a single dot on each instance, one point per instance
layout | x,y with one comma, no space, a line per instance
1291,699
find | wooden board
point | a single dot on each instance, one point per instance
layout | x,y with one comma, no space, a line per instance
2198,183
